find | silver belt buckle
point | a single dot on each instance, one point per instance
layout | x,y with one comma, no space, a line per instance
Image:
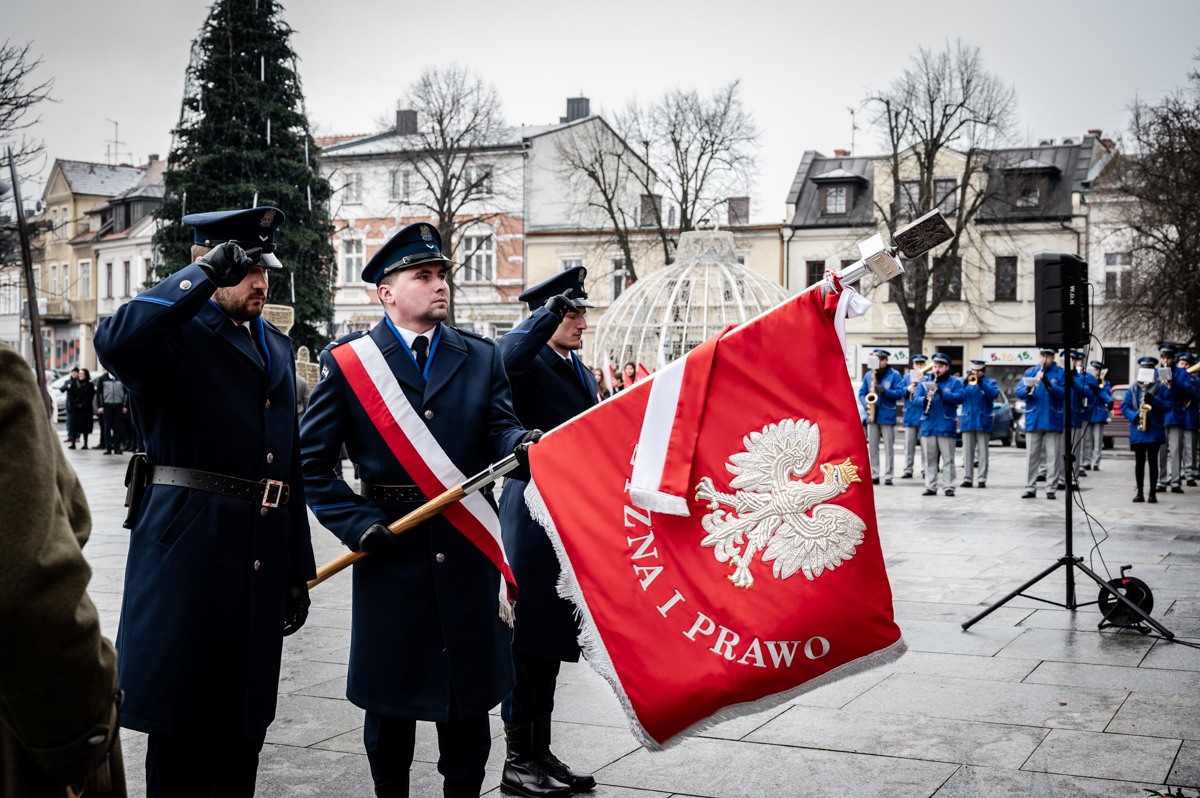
266,499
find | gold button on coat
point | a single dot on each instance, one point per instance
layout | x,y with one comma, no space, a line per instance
440,557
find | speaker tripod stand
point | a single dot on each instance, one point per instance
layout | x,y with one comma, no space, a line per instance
1069,560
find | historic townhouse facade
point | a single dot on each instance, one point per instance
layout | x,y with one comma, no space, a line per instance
1039,199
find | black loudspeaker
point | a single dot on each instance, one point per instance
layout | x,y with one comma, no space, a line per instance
1061,300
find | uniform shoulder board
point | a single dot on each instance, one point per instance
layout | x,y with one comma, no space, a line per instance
473,334
345,339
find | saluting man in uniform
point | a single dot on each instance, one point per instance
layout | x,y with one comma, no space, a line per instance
1093,434
1043,421
912,414
888,386
549,386
220,553
977,423
937,423
431,614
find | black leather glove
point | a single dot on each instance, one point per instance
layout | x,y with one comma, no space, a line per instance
560,305
378,539
521,450
228,263
296,610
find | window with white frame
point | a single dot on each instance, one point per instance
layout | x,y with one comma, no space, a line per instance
54,280
620,277
85,279
910,197
65,285
108,279
352,188
1117,274
478,180
128,278
569,263
401,185
478,258
945,194
54,223
352,260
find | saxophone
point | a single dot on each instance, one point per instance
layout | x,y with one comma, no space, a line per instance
872,400
1143,416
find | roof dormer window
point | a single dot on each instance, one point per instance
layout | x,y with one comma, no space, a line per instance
835,200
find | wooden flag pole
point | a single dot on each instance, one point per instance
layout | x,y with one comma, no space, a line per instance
422,514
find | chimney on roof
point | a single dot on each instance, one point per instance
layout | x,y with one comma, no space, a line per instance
841,153
577,108
1095,133
406,122
152,157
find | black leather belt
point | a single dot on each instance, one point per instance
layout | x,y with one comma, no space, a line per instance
393,493
267,492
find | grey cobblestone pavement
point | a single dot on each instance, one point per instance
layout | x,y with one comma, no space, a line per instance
1033,701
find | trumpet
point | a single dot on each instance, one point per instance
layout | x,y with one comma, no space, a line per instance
923,369
872,401
1193,369
972,380
1143,417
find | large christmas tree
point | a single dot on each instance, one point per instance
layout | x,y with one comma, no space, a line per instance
243,139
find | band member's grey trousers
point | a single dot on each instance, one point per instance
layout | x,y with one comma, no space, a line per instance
935,448
889,455
971,440
911,435
1048,442
1093,443
1170,457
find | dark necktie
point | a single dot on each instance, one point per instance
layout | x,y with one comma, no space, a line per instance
420,347
253,343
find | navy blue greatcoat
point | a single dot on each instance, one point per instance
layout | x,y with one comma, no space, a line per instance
422,629
207,575
547,391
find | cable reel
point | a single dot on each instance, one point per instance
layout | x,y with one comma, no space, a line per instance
1115,613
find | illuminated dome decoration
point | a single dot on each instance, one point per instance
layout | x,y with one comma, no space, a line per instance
672,311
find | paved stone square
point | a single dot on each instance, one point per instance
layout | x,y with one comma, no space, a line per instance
1033,701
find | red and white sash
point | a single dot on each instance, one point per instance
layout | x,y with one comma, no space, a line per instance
421,455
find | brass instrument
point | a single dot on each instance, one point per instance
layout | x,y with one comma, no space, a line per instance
973,380
1193,369
1143,417
929,393
872,400
924,369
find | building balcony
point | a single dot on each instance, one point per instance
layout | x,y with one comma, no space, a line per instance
58,311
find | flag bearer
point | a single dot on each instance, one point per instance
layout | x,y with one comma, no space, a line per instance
1093,444
912,414
219,555
939,399
411,399
977,423
549,386
1042,390
888,387
1146,442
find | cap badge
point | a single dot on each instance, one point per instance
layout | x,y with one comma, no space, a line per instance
425,233
268,217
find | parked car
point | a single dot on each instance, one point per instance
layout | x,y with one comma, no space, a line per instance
1003,428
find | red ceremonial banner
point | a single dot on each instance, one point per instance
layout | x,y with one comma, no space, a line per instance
774,583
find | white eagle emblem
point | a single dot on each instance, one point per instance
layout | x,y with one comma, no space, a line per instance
772,514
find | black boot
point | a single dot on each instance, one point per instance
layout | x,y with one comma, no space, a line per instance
578,782
523,774
392,789
1153,497
1139,498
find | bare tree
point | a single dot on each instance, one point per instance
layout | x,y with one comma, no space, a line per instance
19,94
945,102
599,170
1160,179
702,150
451,152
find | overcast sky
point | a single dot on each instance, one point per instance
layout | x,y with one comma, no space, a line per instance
1075,65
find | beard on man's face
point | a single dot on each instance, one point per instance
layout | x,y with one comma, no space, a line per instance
240,304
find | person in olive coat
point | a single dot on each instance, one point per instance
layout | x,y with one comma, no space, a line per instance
427,639
219,554
58,677
549,386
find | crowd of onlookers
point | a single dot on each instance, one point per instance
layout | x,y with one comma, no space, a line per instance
99,406
627,377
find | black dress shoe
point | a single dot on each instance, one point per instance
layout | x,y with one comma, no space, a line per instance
1029,494
981,485
1041,478
523,773
1176,489
392,789
929,492
1191,483
949,491
875,480
1050,495
966,483
1139,498
887,482
1153,498
1082,473
906,476
578,782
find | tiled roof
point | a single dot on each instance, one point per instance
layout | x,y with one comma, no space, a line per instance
99,179
328,141
389,142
